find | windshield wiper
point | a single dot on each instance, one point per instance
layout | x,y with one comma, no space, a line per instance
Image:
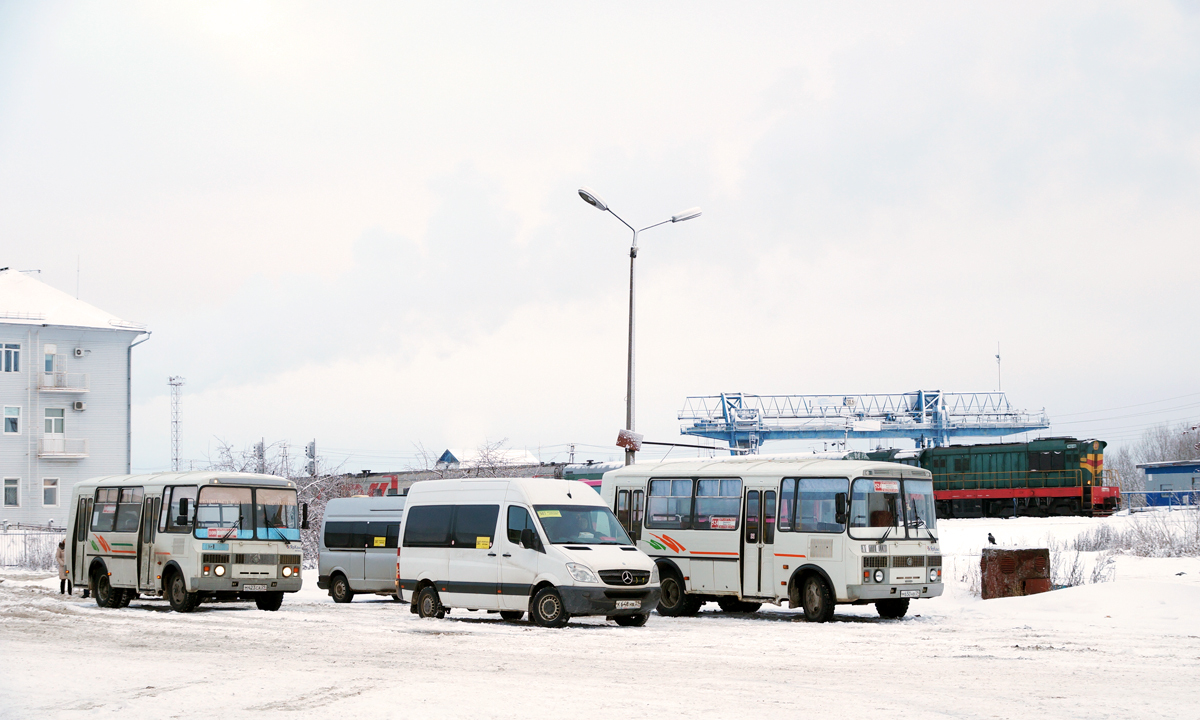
232,530
278,531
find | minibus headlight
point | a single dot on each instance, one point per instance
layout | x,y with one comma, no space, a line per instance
878,576
935,574
582,573
654,578
219,570
287,572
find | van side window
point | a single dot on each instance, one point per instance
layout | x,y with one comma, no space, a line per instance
518,520
339,534
428,526
475,526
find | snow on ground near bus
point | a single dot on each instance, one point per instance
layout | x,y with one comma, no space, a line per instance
1126,648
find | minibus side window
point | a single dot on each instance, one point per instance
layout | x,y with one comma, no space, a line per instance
178,493
519,520
129,507
718,502
475,526
670,504
787,504
339,534
104,512
818,505
428,526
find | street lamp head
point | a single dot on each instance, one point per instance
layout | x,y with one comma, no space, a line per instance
685,215
592,199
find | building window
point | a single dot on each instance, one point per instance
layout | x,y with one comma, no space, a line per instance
12,358
50,492
12,492
49,351
12,420
54,421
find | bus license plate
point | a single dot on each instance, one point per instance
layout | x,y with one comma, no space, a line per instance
629,604
252,588
910,593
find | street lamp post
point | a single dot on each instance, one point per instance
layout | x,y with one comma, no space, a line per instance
594,200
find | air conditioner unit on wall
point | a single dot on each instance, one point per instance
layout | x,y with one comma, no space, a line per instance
78,352
80,405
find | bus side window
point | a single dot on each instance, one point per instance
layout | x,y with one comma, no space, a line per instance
639,499
787,504
769,516
752,516
166,510
623,509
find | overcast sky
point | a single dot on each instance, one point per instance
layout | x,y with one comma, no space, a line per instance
359,223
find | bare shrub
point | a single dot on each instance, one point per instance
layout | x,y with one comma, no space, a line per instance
1151,534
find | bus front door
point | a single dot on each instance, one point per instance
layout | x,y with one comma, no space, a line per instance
758,544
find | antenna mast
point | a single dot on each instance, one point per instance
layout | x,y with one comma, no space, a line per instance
176,384
998,387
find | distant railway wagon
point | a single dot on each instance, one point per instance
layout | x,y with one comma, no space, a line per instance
1049,476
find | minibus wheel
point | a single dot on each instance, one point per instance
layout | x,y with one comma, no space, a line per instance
818,601
340,589
106,595
268,601
512,615
181,600
547,609
631,620
429,605
892,609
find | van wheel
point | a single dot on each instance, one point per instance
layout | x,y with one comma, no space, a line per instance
674,600
547,609
733,605
340,590
818,601
892,609
106,595
268,601
181,600
429,605
632,620
512,615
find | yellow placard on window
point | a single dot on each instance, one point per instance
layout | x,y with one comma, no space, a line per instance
549,513
380,541
483,543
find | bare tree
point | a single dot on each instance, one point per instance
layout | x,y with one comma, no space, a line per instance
1161,443
491,459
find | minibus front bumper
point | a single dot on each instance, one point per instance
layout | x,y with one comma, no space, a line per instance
871,593
603,601
226,585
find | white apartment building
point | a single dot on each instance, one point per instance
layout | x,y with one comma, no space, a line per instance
64,395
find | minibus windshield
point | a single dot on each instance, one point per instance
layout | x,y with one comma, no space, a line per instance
918,502
276,513
581,525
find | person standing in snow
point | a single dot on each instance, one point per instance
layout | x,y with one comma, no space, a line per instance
60,556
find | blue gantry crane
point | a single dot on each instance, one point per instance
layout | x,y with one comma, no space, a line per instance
927,417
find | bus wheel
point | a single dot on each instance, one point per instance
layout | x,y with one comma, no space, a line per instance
429,605
126,597
631,620
512,615
106,595
892,609
181,600
547,609
732,605
340,589
674,600
268,601
818,600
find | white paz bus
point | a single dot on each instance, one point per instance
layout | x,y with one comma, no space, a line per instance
189,537
756,529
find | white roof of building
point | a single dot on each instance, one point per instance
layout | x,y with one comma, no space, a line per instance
25,300
497,457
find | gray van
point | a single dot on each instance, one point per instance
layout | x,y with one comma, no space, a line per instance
358,546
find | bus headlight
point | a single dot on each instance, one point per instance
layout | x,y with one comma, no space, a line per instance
287,572
219,570
935,574
878,576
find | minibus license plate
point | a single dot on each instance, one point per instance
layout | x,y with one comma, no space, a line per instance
910,593
252,588
629,604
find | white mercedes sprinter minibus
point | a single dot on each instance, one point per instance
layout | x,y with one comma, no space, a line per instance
359,536
544,546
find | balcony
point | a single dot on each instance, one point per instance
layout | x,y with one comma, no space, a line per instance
62,448
61,382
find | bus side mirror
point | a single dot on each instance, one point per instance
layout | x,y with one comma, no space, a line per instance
839,502
528,539
304,516
183,512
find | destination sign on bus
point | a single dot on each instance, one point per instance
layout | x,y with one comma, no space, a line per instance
887,486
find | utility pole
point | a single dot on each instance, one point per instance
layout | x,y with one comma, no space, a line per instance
283,459
260,454
571,456
176,384
998,387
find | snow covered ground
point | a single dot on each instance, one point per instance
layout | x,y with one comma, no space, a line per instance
1126,648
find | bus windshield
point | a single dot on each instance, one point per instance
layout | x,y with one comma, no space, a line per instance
241,513
918,504
581,524
276,514
875,504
